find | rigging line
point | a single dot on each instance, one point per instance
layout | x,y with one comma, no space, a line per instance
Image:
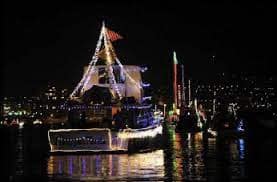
127,74
92,63
109,65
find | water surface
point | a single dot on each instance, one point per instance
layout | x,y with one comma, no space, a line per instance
182,157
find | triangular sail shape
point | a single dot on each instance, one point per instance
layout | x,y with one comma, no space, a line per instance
105,51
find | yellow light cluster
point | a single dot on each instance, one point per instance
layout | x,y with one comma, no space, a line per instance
129,133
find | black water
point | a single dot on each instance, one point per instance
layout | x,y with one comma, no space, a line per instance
182,157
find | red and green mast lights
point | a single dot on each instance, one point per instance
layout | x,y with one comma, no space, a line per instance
175,96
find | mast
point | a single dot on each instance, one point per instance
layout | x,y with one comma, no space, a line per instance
214,101
179,94
189,93
103,45
105,51
109,62
80,88
214,91
183,87
175,96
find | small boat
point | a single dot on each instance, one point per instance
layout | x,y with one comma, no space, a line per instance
227,124
193,119
108,111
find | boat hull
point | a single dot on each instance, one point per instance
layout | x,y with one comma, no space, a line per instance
102,139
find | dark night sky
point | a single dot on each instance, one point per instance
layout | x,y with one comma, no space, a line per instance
51,42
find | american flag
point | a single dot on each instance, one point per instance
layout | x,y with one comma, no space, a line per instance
113,36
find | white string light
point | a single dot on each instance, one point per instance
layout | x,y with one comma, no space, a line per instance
141,133
127,74
147,98
83,84
90,70
145,84
109,64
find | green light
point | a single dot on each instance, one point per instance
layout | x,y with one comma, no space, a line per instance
175,58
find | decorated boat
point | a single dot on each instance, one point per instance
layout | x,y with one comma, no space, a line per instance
108,111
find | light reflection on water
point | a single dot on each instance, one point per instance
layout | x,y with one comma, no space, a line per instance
237,162
241,148
185,152
108,166
184,156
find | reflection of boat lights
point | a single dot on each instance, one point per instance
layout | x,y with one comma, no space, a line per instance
198,136
107,167
83,167
189,136
241,148
70,166
98,162
60,167
140,133
152,160
189,141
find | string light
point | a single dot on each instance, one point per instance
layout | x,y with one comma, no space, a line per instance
110,68
141,133
118,142
143,69
127,74
145,84
147,98
83,84
86,76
